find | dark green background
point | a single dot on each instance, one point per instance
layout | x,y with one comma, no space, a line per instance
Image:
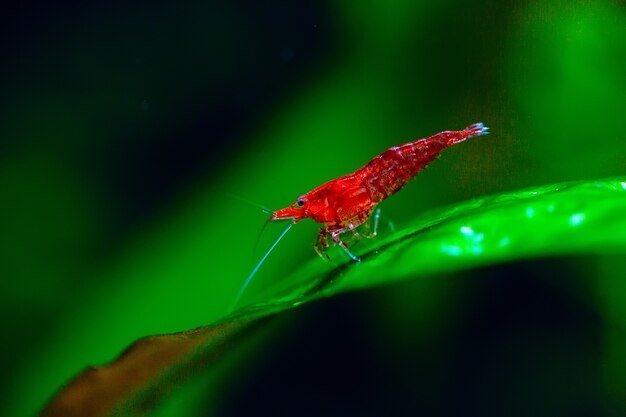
127,130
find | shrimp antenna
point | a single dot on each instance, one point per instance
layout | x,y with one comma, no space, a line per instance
252,203
258,238
258,265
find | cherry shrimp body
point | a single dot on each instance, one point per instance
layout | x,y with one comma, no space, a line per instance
343,204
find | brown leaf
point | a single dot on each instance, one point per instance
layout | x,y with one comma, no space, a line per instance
133,383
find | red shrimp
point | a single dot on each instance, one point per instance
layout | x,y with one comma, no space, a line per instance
342,204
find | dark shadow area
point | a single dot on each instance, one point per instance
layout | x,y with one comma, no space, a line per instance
522,341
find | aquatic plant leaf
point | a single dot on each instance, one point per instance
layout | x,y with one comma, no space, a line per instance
578,217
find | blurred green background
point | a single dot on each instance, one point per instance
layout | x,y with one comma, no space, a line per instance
129,130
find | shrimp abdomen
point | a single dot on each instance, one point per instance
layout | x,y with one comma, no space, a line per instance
388,172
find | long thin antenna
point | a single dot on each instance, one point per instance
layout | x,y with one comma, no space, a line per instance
258,265
252,203
258,238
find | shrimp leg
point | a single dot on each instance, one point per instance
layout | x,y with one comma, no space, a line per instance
321,242
368,226
335,236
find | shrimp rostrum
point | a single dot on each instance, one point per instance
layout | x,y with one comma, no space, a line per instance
344,203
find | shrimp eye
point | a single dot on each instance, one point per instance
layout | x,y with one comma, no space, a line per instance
300,202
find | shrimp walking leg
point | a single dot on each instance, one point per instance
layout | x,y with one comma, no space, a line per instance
372,231
355,234
366,230
376,219
321,244
335,236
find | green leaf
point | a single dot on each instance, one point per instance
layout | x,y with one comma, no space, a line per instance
577,217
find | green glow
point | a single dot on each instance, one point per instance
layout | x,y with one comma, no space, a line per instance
576,219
